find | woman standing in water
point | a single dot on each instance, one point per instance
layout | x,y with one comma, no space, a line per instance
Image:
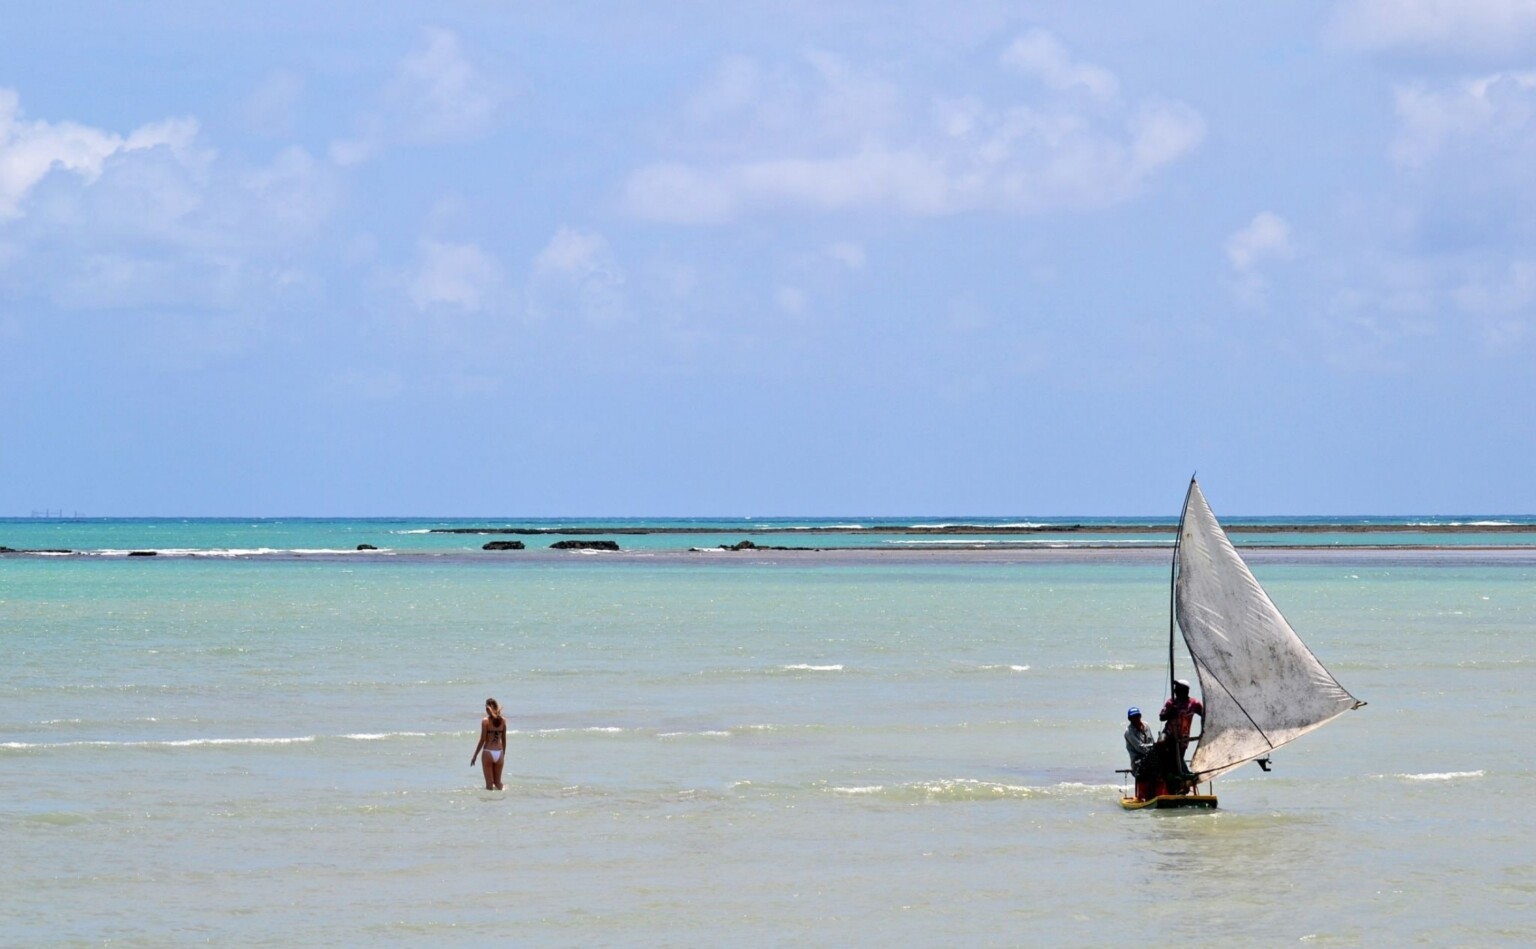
492,747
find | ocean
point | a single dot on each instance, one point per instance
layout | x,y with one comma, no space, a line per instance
261,735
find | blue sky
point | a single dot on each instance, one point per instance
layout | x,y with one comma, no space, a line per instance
767,258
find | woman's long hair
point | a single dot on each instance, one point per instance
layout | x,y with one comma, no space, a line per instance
494,711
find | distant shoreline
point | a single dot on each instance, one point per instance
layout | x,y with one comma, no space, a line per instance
1523,555
950,529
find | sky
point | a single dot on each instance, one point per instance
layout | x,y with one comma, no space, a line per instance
754,259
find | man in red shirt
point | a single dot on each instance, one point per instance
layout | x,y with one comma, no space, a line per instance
1179,712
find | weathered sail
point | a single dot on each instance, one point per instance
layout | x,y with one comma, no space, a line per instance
1260,685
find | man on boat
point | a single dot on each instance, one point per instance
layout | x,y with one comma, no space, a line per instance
1179,712
1138,743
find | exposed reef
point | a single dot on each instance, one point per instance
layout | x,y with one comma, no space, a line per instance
996,529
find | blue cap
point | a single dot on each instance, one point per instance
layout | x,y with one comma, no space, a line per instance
1132,712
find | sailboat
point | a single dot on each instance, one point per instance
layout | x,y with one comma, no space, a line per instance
1261,686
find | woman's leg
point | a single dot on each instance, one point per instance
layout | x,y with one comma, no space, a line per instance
487,766
496,768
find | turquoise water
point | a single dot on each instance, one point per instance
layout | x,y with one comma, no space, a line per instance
821,749
248,537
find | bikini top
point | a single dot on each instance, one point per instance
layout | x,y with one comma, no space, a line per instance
496,732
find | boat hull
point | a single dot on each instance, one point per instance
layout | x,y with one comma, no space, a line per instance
1171,801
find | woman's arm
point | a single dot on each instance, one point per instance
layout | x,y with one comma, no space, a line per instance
484,724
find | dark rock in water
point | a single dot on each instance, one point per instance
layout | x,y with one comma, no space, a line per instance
503,545
143,553
7,550
749,545
366,547
585,545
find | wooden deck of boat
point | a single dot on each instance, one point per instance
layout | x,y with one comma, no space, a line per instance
1163,801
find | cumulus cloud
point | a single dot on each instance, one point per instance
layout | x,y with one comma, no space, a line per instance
1462,27
790,299
437,96
1397,310
1457,263
577,275
828,138
1266,237
95,219
458,275
572,253
1464,150
1041,54
1502,303
1505,292
906,181
848,253
31,149
1495,112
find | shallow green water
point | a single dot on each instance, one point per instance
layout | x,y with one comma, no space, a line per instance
275,751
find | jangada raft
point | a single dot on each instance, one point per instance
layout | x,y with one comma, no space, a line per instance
1261,686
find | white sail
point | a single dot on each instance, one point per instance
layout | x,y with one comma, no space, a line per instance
1260,685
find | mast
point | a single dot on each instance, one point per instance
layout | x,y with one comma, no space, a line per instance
1173,578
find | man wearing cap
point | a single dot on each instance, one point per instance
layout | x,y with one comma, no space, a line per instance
1138,742
1179,712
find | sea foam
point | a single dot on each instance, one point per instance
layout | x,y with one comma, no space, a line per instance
1441,776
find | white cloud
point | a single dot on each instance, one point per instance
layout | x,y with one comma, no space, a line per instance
681,194
831,140
907,181
817,99
1501,301
1457,264
1380,318
1495,112
437,96
1394,311
111,279
735,86
572,253
348,153
576,274
1465,150
848,253
154,219
1266,237
295,193
1480,27
1511,291
1041,54
30,150
790,299
1162,132
454,275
